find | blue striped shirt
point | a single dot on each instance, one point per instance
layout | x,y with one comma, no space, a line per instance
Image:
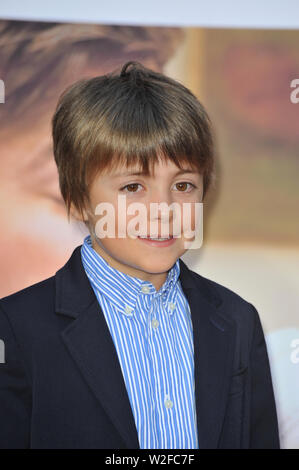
153,336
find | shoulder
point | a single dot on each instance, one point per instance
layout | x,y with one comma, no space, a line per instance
214,290
230,304
28,305
31,310
29,295
223,292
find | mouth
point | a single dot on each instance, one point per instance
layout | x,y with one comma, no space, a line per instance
148,237
157,241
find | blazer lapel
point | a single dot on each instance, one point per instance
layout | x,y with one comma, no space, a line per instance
213,354
90,344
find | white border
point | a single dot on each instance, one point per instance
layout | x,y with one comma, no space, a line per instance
276,14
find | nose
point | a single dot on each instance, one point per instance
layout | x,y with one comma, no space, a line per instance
161,210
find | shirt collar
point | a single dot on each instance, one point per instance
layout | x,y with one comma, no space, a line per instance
122,289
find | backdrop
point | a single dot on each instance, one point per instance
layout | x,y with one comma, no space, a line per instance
243,77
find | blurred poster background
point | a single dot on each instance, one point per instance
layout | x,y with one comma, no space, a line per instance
251,227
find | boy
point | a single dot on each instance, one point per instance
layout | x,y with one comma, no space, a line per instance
125,347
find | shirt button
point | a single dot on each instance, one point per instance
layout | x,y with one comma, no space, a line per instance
128,310
145,289
155,323
171,306
168,403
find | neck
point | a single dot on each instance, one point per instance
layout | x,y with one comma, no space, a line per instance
156,279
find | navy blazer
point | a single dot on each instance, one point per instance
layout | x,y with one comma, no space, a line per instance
61,385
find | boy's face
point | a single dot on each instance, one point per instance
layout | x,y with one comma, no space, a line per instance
141,258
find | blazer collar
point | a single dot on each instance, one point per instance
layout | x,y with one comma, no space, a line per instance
91,346
74,293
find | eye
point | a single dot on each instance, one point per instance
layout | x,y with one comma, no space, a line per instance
182,186
131,188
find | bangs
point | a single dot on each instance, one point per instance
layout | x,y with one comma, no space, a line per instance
142,155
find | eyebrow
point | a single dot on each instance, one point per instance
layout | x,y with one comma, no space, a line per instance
138,173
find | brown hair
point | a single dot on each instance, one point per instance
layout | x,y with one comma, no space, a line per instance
129,116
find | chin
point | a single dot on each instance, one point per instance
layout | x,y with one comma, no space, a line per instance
157,267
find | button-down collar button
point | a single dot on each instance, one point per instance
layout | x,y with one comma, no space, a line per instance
145,289
128,310
171,306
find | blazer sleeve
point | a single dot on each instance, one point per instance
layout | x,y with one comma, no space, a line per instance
264,432
15,392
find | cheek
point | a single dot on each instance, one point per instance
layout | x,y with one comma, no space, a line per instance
103,214
130,218
120,248
192,217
